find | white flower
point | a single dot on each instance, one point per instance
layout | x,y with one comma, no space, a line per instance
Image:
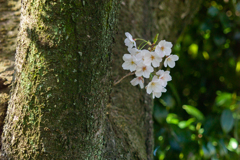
143,70
138,80
144,61
154,86
170,61
152,57
134,51
164,76
141,56
130,62
129,40
163,48
158,94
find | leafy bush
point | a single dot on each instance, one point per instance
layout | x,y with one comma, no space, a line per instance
199,119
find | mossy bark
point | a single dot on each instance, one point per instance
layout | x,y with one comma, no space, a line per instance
61,87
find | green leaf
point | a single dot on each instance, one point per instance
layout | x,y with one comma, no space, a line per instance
155,38
224,99
227,120
184,124
193,112
172,119
193,50
233,144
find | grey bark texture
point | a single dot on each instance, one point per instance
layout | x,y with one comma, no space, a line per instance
63,104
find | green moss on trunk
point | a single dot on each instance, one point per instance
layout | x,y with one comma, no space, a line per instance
62,84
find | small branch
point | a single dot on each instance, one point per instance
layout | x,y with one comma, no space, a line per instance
129,74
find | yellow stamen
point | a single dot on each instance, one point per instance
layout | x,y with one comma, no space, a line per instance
144,68
152,57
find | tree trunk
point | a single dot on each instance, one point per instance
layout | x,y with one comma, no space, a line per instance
57,107
9,21
60,106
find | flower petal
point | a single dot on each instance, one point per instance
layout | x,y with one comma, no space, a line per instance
165,62
174,57
132,67
134,82
157,94
168,44
126,65
139,73
128,35
171,64
127,57
149,88
146,74
155,63
168,51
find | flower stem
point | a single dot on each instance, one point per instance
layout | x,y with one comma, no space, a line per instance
144,46
140,45
139,39
129,74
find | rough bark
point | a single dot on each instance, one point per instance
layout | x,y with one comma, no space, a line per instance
57,107
9,21
173,16
130,109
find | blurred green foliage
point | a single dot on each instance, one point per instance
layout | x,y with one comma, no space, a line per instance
198,118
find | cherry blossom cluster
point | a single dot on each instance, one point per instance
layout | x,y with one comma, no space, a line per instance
143,61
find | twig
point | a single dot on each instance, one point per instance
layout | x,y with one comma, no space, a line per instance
129,74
